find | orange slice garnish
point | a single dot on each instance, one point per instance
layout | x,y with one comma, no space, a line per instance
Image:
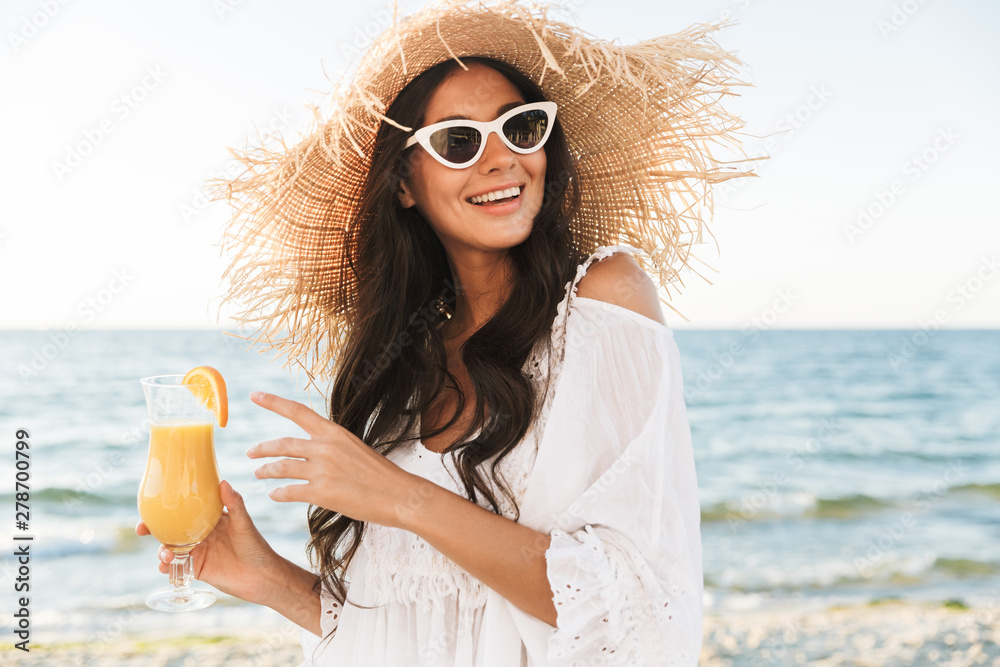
207,384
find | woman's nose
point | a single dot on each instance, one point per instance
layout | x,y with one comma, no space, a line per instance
496,155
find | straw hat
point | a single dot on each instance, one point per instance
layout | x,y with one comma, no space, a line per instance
638,119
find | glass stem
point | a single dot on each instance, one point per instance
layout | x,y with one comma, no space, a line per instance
181,573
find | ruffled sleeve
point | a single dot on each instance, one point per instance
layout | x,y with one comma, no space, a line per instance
614,485
329,619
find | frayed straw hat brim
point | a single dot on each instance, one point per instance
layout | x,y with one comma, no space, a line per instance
640,120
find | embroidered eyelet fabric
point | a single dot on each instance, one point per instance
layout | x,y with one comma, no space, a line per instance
607,470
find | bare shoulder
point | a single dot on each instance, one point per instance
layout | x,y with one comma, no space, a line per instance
619,280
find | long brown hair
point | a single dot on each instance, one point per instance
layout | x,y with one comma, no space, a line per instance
394,352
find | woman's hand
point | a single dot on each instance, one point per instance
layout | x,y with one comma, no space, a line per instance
342,473
234,558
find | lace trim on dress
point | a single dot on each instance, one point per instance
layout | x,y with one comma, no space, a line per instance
330,616
404,569
614,616
427,580
562,312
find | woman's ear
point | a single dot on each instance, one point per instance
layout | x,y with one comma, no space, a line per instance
404,194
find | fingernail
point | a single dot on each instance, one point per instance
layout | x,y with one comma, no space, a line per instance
256,395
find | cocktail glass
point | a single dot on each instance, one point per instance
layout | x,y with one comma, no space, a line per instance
179,497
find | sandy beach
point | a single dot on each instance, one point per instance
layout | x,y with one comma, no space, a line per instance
179,652
886,634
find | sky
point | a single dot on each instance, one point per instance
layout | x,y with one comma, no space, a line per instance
873,209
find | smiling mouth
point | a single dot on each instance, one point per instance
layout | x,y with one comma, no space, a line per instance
495,202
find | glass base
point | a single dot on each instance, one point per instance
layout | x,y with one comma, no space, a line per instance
169,601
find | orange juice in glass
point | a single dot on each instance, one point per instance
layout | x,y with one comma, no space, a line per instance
179,495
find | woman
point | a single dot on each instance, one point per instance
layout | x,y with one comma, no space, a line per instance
507,478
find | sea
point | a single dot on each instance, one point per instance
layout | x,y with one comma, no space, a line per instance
834,467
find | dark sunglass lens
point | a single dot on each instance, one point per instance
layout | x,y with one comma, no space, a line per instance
526,129
456,144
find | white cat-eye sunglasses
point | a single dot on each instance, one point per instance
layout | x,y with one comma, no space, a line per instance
460,143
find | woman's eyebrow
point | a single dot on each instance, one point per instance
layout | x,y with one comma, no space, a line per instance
501,111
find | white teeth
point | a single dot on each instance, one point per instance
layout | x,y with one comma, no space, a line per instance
493,196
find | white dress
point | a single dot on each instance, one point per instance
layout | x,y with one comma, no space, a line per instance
607,471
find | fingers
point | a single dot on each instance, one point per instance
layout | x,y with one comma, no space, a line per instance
293,493
310,422
232,501
164,554
283,469
230,498
292,447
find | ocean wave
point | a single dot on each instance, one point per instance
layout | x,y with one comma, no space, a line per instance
991,490
57,494
964,567
892,568
889,569
847,507
819,574
757,506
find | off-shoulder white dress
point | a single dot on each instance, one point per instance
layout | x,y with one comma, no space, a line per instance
607,470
